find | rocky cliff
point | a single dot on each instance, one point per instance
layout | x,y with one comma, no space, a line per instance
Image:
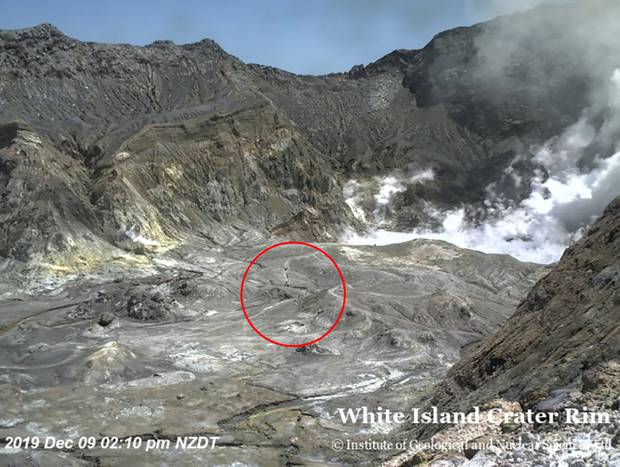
151,145
563,337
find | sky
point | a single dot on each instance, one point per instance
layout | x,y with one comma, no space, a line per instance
301,36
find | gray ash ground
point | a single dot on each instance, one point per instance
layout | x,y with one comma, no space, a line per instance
165,351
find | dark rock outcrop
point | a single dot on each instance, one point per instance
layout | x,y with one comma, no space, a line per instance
156,144
564,334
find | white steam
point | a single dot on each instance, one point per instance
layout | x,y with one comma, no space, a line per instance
387,187
353,198
475,9
539,229
423,176
562,202
375,193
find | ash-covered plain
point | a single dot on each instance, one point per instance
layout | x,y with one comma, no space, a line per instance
170,354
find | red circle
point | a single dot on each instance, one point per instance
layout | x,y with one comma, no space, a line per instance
344,294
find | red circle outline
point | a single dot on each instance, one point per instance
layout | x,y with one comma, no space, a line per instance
344,294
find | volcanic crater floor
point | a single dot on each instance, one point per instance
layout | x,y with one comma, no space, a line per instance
166,352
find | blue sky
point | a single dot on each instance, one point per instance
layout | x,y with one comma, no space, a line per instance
302,36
